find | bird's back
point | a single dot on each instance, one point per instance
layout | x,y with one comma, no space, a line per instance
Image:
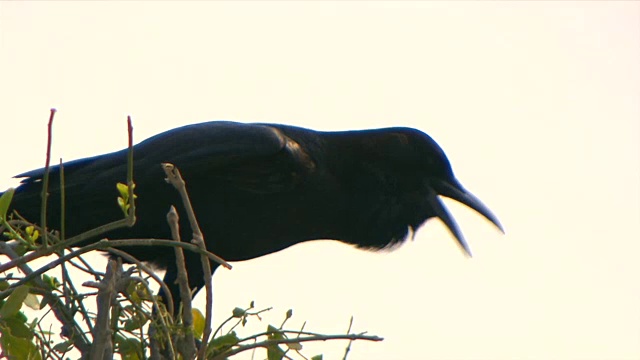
250,186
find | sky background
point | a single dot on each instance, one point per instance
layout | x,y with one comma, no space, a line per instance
537,105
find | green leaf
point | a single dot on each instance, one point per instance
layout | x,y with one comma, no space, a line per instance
128,348
123,200
238,312
15,347
21,316
226,340
5,200
130,356
295,346
51,281
143,292
221,344
14,302
198,323
63,347
317,357
18,327
32,234
123,205
289,313
123,189
135,323
21,248
137,292
274,333
274,352
32,301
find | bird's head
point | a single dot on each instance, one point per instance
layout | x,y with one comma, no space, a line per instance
435,179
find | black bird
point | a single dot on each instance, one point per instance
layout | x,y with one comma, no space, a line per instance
260,188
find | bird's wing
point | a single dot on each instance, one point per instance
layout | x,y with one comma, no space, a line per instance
252,156
212,144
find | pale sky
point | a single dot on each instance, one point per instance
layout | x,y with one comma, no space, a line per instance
537,105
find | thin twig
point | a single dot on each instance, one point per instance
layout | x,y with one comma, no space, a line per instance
73,296
60,245
245,314
85,267
100,245
149,272
286,332
95,232
256,314
62,201
271,342
76,335
131,216
45,180
346,351
96,246
154,301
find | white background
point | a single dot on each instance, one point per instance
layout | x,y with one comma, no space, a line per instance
537,105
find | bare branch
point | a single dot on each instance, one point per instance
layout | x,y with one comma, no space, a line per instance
189,349
102,347
149,272
175,179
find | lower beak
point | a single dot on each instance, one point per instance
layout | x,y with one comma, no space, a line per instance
455,191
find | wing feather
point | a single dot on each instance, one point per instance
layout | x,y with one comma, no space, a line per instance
246,157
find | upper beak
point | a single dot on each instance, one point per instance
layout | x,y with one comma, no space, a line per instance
454,190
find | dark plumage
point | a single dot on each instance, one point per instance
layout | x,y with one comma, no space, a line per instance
260,188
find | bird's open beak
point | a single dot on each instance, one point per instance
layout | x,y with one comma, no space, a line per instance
455,191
